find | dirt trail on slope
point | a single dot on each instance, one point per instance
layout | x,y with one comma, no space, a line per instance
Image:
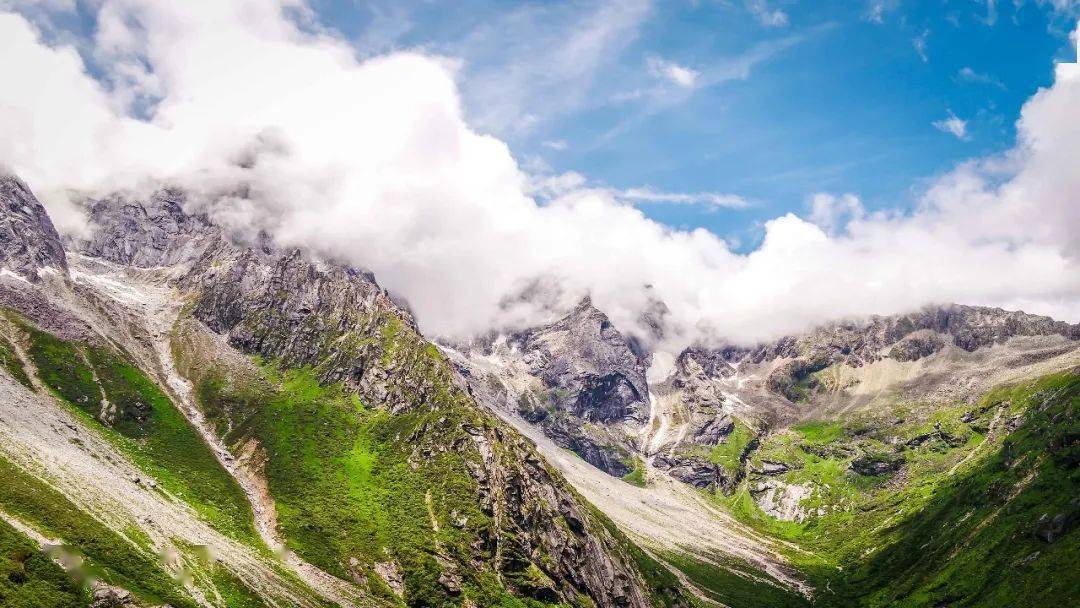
158,305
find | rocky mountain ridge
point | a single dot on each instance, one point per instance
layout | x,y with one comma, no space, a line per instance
678,422
315,420
29,244
498,520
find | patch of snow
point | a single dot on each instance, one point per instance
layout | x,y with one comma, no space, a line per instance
4,272
111,286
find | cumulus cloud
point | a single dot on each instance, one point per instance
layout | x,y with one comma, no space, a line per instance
832,213
373,162
953,125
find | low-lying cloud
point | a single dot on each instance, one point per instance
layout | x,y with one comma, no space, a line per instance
373,162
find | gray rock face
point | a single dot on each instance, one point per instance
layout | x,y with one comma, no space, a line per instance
597,446
911,336
145,234
589,367
28,239
698,472
594,395
694,370
707,421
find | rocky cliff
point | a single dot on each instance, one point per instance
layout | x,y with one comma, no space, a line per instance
583,384
699,423
29,243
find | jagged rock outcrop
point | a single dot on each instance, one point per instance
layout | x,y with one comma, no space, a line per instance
592,395
907,337
693,470
588,366
29,242
152,233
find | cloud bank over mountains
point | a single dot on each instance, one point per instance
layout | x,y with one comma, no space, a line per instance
372,162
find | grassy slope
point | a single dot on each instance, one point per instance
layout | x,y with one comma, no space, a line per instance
29,579
735,585
929,537
154,434
729,455
108,555
147,427
13,364
355,486
637,476
348,487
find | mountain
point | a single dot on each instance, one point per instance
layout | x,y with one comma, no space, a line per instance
192,421
29,244
809,438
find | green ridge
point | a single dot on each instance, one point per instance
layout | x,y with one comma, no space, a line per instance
108,556
145,425
29,579
347,487
938,539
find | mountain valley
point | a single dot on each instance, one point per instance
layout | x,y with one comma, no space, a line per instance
191,419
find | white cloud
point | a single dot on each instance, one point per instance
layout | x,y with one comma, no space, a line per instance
832,213
966,74
553,186
710,199
953,125
769,17
547,186
877,9
991,12
374,162
555,144
920,43
542,60
677,74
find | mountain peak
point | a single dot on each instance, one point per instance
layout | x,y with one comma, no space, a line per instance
29,243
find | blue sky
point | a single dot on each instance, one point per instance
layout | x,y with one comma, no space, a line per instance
501,152
789,98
